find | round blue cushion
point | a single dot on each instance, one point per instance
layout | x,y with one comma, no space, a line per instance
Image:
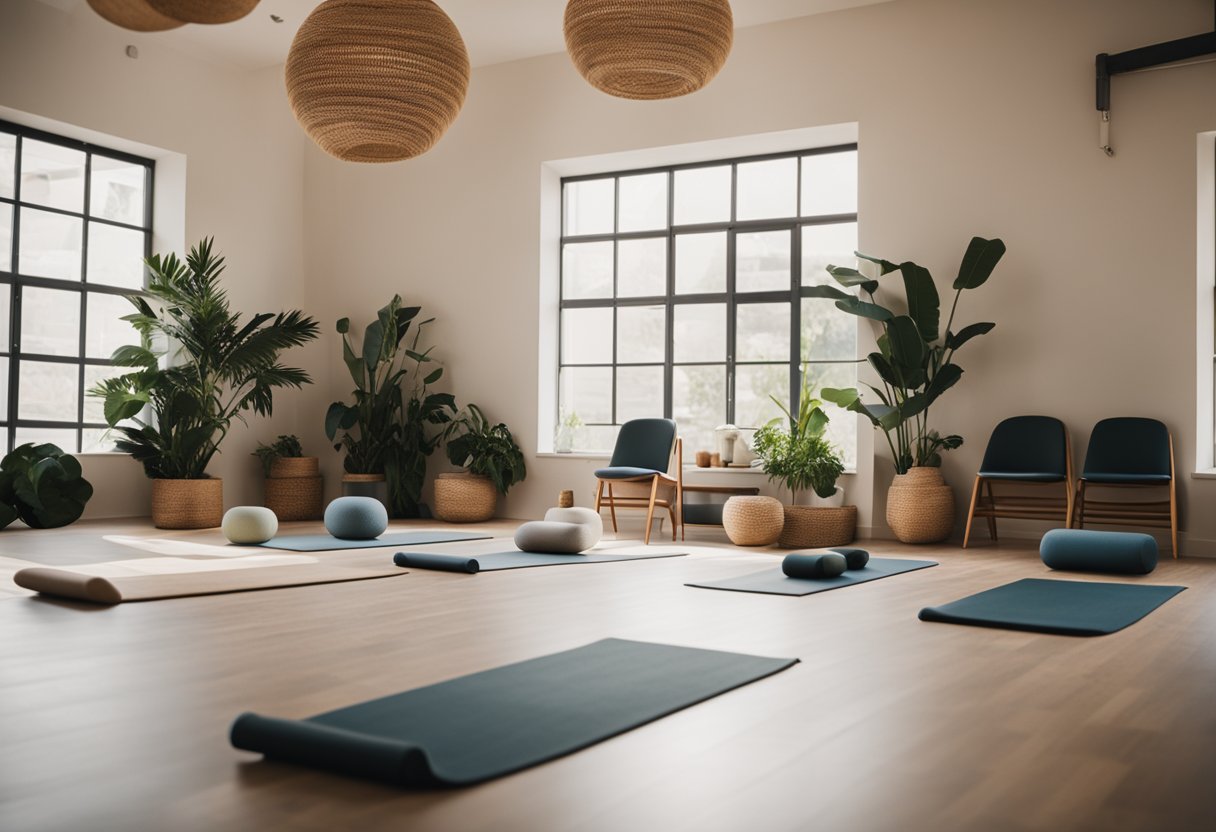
830,565
356,518
1082,550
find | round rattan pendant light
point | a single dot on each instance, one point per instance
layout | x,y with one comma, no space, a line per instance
136,15
377,80
204,11
647,49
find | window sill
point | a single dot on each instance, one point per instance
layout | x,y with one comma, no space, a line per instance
1205,474
848,472
572,455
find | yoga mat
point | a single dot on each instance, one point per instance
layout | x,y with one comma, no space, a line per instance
774,581
1066,608
147,579
326,542
494,561
488,724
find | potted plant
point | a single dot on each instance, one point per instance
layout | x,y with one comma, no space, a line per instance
915,366
801,458
386,434
563,439
42,486
219,367
492,462
293,483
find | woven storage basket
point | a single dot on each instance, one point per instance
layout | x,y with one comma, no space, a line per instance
920,506
464,498
187,504
812,527
753,521
294,466
294,498
648,50
136,15
204,11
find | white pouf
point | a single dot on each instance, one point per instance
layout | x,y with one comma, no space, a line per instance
249,524
564,531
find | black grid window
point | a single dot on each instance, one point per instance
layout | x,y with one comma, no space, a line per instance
683,293
75,227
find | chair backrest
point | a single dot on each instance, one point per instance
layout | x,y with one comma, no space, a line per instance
1128,445
1028,444
644,443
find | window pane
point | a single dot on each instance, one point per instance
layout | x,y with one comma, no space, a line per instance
643,202
65,438
6,237
827,245
762,261
639,393
586,392
105,331
117,190
762,332
588,206
827,333
97,441
591,438
700,332
842,429
754,384
52,175
587,270
587,336
642,268
701,263
698,404
50,245
702,195
641,335
767,189
8,164
829,183
116,256
4,365
50,322
49,391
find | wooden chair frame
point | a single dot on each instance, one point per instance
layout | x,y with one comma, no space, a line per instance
1153,514
637,495
1020,506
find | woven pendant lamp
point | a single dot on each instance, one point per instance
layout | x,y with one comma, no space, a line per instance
204,11
136,15
377,80
648,49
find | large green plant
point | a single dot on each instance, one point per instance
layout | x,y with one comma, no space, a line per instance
220,366
385,431
915,358
485,449
43,486
800,457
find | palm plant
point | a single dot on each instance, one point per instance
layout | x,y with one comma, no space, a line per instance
220,366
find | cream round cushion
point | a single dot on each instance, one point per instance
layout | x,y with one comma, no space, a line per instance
249,524
564,531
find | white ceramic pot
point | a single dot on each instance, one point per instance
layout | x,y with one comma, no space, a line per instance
835,501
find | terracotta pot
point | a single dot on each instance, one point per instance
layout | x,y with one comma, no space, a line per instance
815,527
920,506
187,504
465,498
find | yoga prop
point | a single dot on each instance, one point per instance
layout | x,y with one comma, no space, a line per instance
814,566
485,725
249,524
564,531
1067,608
496,561
775,582
325,542
854,558
356,518
1082,550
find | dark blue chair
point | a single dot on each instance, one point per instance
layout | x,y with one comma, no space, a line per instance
1024,451
638,475
1136,453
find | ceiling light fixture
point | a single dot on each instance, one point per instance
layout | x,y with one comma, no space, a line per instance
204,11
136,15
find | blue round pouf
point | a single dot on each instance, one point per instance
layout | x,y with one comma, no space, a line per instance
1082,550
356,518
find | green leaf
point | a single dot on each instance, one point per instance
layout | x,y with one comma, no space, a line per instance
337,414
373,343
434,376
924,306
908,350
120,405
343,325
864,310
826,292
851,277
954,341
979,260
947,376
133,356
886,265
841,397
884,369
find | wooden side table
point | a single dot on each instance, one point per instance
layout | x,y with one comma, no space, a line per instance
710,514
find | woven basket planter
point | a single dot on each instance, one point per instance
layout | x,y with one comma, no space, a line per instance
812,527
282,467
464,498
136,15
187,504
294,488
753,521
920,506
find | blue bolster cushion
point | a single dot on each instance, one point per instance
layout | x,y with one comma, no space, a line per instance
1082,550
830,565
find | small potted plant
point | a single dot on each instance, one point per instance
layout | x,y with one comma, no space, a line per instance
42,486
293,481
492,462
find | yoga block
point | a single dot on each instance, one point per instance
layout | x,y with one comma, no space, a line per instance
564,531
831,565
249,524
854,558
356,518
1082,550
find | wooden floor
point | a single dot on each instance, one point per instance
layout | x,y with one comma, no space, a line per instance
116,718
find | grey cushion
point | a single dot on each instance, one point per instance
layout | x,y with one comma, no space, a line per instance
1083,550
564,531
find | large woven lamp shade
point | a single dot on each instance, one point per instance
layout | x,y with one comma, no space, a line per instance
377,80
136,15
204,11
647,49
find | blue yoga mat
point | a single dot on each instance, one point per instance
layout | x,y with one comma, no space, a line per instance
775,582
492,723
495,561
327,542
1067,608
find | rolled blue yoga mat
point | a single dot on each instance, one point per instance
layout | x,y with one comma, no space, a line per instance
814,566
1084,550
497,561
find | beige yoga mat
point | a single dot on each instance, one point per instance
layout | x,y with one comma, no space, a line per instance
146,579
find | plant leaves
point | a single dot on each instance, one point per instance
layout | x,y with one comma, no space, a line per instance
947,376
851,277
864,310
954,341
826,292
908,350
979,260
886,265
924,306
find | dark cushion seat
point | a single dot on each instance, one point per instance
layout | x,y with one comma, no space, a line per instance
1023,476
1128,479
625,472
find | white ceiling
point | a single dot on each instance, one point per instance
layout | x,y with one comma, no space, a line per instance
495,31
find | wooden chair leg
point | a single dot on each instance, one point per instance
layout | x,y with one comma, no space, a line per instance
612,508
992,507
1068,488
599,495
671,510
654,490
975,493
